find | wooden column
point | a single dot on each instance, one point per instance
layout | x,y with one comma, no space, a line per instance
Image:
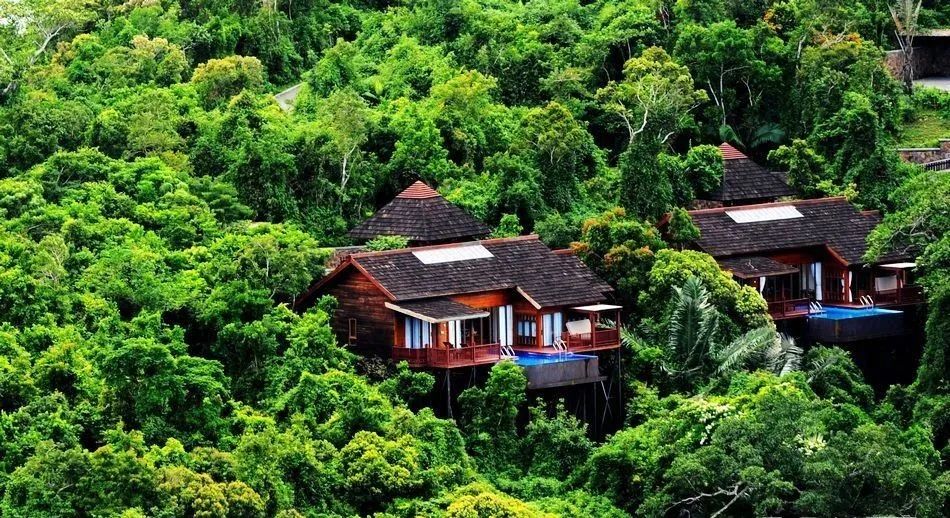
539,338
901,275
395,331
593,330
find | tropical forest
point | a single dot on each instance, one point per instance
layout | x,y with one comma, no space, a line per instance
177,175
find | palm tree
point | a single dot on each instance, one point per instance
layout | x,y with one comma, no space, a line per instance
905,14
694,326
693,349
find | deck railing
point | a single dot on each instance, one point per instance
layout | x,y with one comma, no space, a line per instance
912,294
788,308
448,357
414,357
599,338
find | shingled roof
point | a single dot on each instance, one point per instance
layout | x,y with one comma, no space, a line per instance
524,263
439,309
746,267
772,227
422,215
744,179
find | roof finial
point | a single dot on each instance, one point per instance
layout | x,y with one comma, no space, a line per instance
730,153
418,190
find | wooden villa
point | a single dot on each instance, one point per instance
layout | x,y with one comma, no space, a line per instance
744,182
797,252
467,302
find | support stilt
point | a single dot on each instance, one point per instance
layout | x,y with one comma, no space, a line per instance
593,393
620,411
448,392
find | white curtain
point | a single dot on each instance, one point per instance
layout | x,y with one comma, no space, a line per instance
850,281
761,285
816,269
455,332
552,323
505,316
417,333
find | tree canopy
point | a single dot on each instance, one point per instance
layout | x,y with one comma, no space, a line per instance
162,211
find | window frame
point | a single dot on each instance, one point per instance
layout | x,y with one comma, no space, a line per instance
351,326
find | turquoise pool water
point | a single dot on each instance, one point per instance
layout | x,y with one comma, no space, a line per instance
833,313
530,359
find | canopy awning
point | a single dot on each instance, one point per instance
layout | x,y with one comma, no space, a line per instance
597,308
899,266
437,310
749,267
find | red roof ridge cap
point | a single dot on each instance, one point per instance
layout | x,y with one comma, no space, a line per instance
730,153
418,190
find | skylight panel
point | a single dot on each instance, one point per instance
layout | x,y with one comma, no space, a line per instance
764,214
452,254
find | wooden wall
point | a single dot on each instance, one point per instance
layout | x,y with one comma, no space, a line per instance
359,298
487,299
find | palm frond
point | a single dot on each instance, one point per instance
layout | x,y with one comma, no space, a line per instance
693,324
629,338
818,366
768,133
728,134
753,343
784,355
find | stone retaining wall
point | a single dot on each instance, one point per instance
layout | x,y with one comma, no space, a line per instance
926,154
932,58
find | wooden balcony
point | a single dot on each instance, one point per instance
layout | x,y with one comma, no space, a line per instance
903,296
600,339
900,296
791,308
449,358
414,357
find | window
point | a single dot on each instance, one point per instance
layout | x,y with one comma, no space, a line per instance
351,339
527,328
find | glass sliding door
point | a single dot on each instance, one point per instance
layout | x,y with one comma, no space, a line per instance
553,325
502,324
418,334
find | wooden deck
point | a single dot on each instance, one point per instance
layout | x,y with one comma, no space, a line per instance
602,340
904,295
579,350
445,358
798,308
787,309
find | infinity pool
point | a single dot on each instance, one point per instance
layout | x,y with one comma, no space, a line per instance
531,359
833,313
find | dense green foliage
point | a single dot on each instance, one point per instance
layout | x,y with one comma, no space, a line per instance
161,212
